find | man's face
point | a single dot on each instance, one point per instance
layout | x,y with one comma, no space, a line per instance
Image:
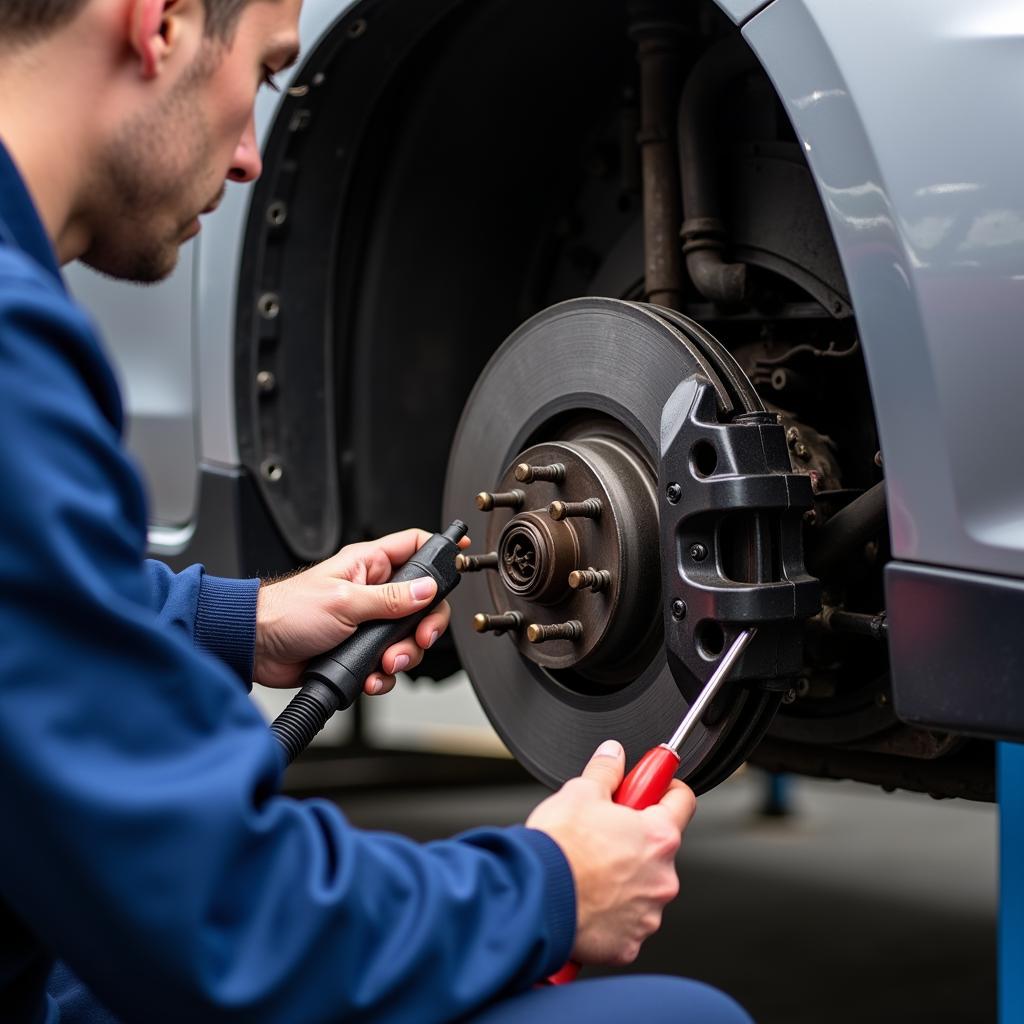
168,162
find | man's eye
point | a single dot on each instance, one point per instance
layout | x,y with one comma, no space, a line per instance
270,79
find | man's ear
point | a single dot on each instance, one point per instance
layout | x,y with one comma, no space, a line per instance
153,33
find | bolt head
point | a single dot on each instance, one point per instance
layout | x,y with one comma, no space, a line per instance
698,552
674,493
678,610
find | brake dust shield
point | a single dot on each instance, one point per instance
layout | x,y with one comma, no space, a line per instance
554,469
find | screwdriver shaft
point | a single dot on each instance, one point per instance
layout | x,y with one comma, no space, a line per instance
710,691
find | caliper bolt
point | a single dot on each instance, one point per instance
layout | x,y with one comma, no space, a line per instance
698,552
476,563
590,508
527,474
678,610
590,579
498,624
538,634
487,502
674,493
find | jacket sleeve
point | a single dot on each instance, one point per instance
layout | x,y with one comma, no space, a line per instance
218,615
151,848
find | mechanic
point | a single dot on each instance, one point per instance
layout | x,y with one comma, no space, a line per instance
145,841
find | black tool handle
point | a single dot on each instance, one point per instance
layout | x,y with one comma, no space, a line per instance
333,681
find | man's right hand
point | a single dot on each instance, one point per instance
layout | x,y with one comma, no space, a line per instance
622,860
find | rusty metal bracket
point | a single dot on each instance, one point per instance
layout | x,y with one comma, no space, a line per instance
731,522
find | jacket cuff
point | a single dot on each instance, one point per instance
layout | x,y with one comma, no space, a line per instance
559,896
226,622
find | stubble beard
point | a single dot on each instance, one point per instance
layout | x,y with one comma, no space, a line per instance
152,182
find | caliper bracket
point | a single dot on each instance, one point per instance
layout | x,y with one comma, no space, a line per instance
727,486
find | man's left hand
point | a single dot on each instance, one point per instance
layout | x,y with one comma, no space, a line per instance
312,612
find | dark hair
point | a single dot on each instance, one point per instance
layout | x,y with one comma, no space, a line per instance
24,20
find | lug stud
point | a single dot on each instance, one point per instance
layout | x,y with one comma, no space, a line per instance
487,502
527,474
498,624
538,634
590,508
596,580
476,563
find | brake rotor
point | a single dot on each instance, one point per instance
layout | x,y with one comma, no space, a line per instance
560,624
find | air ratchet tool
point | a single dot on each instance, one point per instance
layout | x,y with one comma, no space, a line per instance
651,776
333,681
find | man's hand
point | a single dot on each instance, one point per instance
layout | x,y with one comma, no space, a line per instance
622,860
314,611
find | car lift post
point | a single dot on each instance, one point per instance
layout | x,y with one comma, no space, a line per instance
1010,790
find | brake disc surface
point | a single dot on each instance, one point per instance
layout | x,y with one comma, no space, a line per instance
581,387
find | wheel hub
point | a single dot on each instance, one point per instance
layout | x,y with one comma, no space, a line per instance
570,532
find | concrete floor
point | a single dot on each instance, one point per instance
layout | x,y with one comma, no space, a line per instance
861,907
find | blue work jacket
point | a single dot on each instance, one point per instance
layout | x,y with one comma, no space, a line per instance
145,841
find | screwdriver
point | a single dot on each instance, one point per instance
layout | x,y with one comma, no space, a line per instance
651,776
333,681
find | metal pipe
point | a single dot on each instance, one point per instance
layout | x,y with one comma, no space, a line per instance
659,38
848,530
703,233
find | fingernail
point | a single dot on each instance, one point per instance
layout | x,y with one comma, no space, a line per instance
433,638
401,663
376,686
610,748
422,588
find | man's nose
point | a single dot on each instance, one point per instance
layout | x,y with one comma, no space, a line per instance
247,163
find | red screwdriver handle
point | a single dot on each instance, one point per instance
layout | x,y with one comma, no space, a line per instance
566,973
649,780
644,786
